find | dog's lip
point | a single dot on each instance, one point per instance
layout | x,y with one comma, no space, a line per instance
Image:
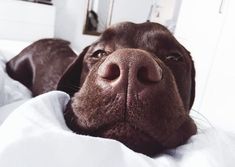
95,131
136,138
109,126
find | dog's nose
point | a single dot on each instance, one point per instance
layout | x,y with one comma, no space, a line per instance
129,66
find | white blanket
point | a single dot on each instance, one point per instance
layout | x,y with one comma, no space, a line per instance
35,135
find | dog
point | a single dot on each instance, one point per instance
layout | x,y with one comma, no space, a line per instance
135,84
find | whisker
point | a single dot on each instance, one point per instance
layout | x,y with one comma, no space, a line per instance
198,119
71,85
204,119
71,88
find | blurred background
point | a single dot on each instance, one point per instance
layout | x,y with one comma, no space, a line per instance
204,27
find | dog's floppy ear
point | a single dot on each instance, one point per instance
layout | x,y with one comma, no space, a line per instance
70,80
193,84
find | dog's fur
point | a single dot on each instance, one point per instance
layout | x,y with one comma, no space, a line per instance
135,84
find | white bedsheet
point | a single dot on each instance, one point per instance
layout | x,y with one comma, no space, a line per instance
35,135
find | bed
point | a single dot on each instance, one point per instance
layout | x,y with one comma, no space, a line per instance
33,133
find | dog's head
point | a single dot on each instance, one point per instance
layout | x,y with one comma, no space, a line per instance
135,84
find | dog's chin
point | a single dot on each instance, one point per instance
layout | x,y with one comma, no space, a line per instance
134,138
142,138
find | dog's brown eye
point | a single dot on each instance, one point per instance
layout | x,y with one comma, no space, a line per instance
99,53
174,57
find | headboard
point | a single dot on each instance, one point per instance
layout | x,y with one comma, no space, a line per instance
26,21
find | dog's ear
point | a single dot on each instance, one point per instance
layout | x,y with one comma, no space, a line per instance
193,84
70,80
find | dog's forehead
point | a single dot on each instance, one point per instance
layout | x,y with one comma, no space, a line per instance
149,36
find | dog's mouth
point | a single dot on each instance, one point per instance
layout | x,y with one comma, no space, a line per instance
138,126
122,131
138,138
133,137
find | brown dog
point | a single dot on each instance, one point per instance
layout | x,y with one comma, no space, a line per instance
135,84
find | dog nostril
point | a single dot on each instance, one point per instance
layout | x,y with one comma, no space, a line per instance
111,72
147,75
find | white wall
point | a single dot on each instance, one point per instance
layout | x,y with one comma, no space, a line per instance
70,19
103,12
166,12
207,31
218,101
199,33
26,21
131,10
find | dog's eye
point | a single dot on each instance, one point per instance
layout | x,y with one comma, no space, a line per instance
174,57
99,53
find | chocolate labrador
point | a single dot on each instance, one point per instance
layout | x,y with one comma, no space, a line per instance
135,84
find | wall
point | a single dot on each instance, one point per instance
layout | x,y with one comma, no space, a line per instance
209,36
166,12
219,97
199,33
70,19
28,21
131,10
103,12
